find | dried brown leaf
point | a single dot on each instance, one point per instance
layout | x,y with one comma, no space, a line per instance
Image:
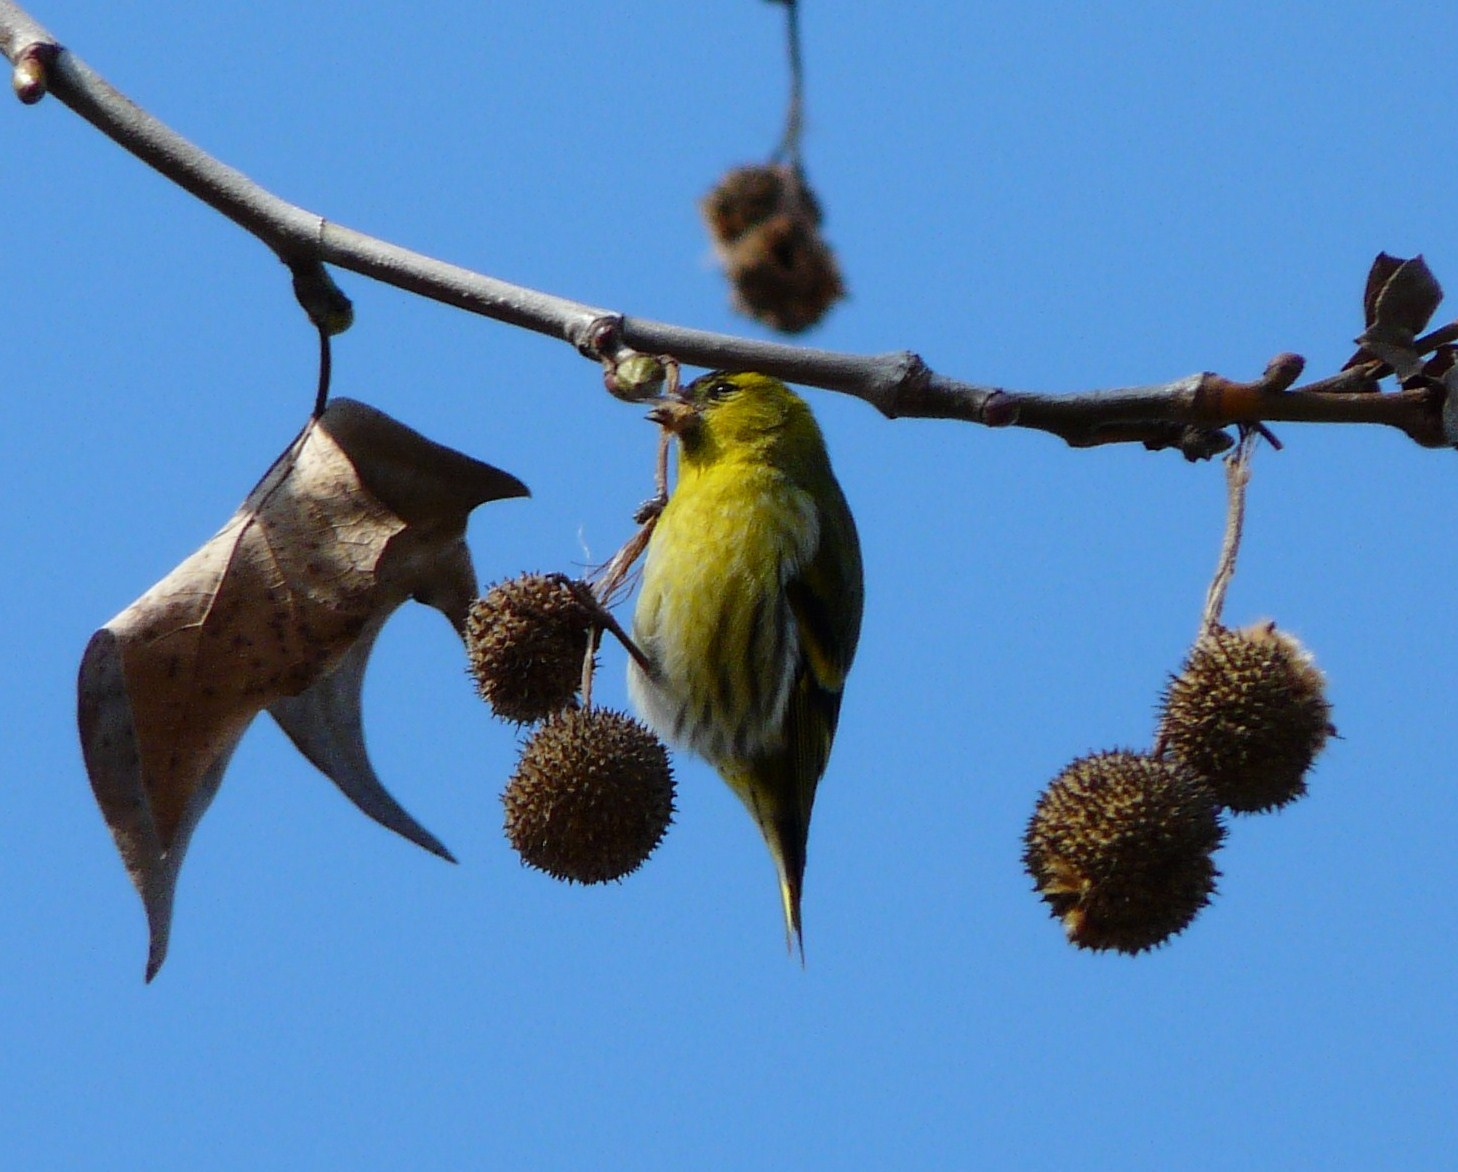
278,610
326,725
1382,270
1400,299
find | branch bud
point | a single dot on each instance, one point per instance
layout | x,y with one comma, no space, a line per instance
634,377
31,79
325,303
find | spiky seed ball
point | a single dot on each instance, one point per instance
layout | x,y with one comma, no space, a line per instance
1120,848
1248,712
747,196
784,274
765,221
527,639
591,798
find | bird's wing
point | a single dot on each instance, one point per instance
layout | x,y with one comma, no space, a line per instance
825,602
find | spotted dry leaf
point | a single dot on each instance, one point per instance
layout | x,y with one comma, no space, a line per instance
279,610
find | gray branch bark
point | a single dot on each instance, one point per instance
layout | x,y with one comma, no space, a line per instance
1186,414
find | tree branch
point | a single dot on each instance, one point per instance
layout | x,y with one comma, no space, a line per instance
1186,413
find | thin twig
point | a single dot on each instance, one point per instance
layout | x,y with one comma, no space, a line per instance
1237,478
611,625
605,621
589,665
789,148
611,576
615,572
326,366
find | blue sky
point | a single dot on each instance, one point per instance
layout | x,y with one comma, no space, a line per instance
1046,197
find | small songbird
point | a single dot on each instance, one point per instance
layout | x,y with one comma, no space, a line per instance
750,604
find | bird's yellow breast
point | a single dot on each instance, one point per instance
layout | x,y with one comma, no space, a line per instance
712,615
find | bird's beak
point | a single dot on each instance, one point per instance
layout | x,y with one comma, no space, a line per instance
674,413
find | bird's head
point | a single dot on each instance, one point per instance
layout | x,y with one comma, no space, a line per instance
736,412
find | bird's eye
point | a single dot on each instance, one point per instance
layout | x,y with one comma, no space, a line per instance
720,388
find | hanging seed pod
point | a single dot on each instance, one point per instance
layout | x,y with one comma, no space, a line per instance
744,197
527,640
591,798
1248,712
766,227
1120,847
784,274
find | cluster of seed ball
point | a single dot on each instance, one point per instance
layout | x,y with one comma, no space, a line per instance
1121,844
592,795
765,222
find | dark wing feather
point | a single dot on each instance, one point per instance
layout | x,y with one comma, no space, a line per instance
825,600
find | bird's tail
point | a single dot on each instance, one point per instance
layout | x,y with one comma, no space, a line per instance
788,852
786,829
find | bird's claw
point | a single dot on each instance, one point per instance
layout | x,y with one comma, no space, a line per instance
650,509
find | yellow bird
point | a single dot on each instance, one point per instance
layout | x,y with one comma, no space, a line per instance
750,605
